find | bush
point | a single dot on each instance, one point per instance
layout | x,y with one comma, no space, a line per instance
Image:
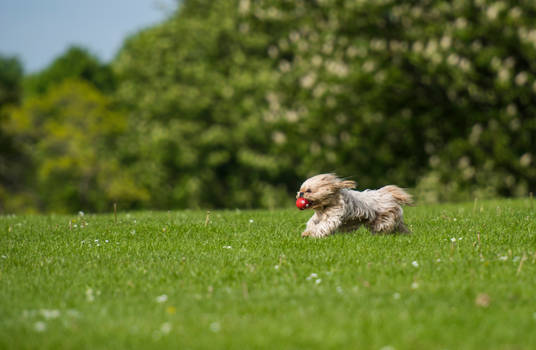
236,96
69,137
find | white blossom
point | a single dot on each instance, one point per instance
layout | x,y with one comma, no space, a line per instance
50,314
161,298
165,328
215,327
40,326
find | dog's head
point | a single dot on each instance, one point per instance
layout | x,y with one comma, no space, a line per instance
321,190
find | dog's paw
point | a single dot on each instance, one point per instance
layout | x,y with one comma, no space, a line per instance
306,234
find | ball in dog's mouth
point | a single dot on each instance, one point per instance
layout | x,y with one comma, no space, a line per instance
302,203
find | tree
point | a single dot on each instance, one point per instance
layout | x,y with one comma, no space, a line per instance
70,134
11,160
10,80
75,63
241,99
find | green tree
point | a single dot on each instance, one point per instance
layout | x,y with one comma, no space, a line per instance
238,96
11,160
71,133
194,110
75,63
10,80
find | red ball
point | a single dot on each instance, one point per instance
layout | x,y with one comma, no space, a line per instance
302,203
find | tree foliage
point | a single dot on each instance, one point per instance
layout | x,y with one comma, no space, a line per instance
232,103
69,134
75,63
10,80
11,162
245,98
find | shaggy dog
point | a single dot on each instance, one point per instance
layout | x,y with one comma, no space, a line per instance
339,208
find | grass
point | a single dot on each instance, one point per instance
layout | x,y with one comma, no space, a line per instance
465,279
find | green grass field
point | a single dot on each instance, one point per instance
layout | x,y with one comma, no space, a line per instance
465,279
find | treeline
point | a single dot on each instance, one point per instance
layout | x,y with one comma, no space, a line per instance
233,103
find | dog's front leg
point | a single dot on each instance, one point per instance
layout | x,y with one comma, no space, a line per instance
310,229
322,225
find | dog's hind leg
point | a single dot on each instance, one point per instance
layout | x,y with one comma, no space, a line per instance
402,228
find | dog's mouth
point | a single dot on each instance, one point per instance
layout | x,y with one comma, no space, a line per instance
311,204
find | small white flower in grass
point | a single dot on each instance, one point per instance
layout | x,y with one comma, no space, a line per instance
4,257
503,258
415,264
453,239
50,314
133,232
40,326
396,296
227,247
414,285
318,281
438,260
96,241
311,276
75,225
73,313
106,241
250,221
161,298
459,239
81,213
215,327
276,267
89,295
454,219
388,347
165,328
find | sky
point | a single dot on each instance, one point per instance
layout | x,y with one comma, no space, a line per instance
37,31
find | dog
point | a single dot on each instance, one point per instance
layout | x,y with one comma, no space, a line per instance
339,208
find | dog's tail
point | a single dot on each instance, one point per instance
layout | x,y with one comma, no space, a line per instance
400,196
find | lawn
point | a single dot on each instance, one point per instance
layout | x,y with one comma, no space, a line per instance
465,279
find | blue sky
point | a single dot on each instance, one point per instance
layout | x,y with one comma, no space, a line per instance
37,31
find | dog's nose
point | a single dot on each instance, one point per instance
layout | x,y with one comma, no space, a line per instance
300,194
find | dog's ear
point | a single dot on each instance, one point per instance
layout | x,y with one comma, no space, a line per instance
347,184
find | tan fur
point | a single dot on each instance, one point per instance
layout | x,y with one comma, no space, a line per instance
401,196
338,208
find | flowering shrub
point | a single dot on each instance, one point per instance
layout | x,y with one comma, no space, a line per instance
238,96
